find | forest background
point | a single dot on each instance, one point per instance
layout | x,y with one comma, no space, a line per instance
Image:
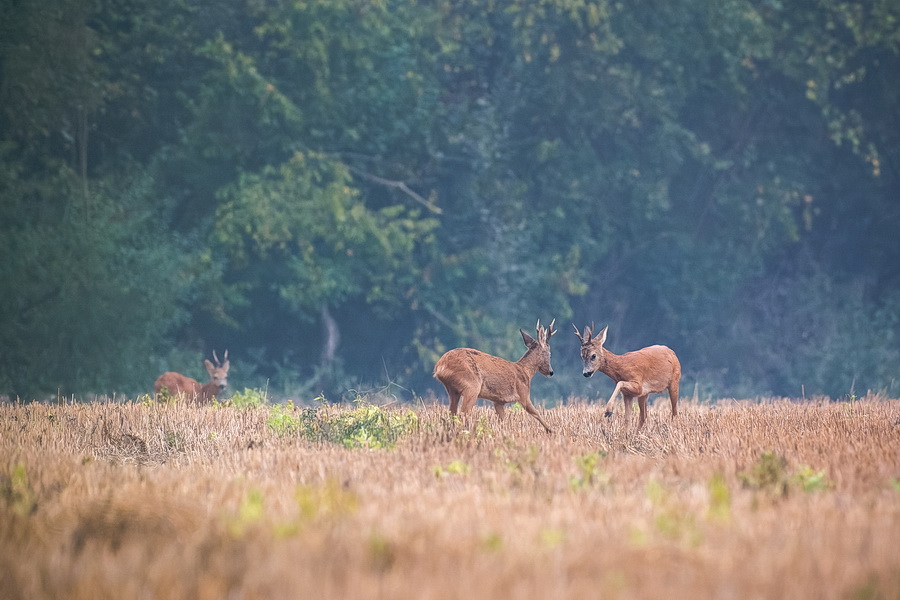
338,191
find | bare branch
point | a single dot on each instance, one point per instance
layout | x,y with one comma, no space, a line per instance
400,185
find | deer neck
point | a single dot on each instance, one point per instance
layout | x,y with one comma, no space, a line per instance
209,390
609,363
529,362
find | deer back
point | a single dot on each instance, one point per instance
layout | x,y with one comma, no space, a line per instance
463,365
177,384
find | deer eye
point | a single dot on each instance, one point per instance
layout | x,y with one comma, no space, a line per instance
593,357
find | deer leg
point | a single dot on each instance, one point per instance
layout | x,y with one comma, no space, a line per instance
454,400
612,399
673,397
531,410
629,389
628,400
642,404
468,399
500,408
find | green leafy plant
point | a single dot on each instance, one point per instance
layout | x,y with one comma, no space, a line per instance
249,398
589,471
283,421
145,400
16,491
368,426
671,520
456,467
769,473
365,426
325,501
249,513
810,480
163,397
719,498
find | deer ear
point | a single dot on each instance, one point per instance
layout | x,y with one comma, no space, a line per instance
209,366
588,334
529,341
602,335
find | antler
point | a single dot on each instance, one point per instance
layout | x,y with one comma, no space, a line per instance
577,332
549,331
587,335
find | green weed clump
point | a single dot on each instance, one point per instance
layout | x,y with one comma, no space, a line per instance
247,399
770,474
283,420
16,491
589,471
455,467
366,426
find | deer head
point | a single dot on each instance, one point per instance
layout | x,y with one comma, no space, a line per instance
540,347
218,372
591,348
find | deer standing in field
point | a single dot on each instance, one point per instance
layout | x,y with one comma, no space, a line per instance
637,374
471,374
179,385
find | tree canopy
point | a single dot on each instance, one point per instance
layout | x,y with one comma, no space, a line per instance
340,191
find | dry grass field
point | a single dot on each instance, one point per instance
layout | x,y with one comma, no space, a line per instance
737,500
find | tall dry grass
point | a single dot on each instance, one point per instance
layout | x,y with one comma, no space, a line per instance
740,500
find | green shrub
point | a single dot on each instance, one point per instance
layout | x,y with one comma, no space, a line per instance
246,399
771,474
365,426
810,480
589,471
282,420
456,467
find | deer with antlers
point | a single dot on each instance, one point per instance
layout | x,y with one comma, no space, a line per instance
178,385
471,374
637,374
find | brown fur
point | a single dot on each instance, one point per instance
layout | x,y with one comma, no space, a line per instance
469,374
637,374
179,385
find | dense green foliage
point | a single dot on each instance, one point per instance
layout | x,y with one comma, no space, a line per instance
339,191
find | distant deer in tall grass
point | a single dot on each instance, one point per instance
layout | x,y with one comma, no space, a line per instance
637,374
178,385
471,374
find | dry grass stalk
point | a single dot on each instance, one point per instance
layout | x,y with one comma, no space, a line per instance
111,500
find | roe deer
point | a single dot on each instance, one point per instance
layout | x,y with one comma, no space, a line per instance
637,374
471,374
179,385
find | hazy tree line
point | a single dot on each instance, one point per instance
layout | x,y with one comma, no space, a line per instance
337,191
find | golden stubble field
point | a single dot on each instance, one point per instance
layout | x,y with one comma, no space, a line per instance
740,500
